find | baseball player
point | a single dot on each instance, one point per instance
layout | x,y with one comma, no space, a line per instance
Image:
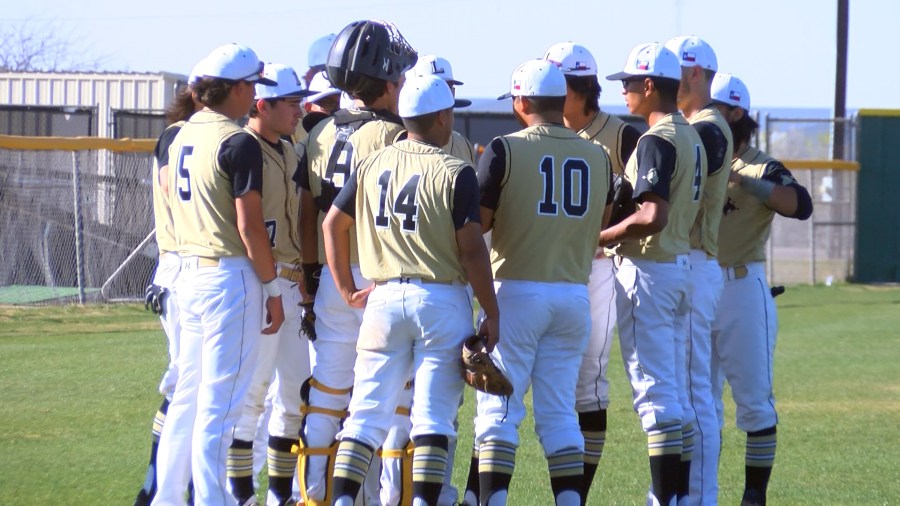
700,461
667,172
324,169
746,323
274,115
544,193
214,190
458,146
317,56
583,115
159,293
417,221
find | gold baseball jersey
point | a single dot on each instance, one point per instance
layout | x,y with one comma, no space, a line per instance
281,204
162,211
616,136
719,146
747,221
331,149
680,184
202,191
461,148
404,209
548,188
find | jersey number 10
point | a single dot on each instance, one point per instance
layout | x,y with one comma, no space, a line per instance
572,168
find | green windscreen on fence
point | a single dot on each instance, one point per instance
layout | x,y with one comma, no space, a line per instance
877,255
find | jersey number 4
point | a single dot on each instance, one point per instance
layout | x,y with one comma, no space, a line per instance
404,204
183,175
575,174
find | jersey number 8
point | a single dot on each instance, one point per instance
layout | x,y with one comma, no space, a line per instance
404,204
572,168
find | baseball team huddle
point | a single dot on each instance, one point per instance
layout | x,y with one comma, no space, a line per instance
317,279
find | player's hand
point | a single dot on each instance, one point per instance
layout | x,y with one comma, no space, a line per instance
274,315
358,298
734,177
490,329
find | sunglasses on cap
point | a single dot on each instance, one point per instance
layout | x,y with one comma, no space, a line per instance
258,74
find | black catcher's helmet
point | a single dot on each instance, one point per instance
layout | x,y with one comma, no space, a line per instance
368,48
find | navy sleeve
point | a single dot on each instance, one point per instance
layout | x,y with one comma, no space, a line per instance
491,172
656,165
161,151
346,199
301,175
611,194
714,142
240,156
466,202
777,173
630,136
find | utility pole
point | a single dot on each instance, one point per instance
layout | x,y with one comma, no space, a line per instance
840,80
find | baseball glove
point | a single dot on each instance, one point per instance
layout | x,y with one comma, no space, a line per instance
623,205
154,299
308,321
480,372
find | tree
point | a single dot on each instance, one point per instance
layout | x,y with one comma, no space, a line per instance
33,46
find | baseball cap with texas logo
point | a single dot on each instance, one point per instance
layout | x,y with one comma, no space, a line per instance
649,60
536,78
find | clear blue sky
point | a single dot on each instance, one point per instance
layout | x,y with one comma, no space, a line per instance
783,49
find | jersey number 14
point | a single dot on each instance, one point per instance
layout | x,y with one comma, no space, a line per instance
405,204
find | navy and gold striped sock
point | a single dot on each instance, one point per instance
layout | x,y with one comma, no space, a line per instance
148,489
566,468
240,470
351,464
496,462
687,453
593,429
281,464
664,447
470,496
759,459
429,467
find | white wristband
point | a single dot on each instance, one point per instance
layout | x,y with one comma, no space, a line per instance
273,289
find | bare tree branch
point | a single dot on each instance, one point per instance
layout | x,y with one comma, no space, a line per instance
44,46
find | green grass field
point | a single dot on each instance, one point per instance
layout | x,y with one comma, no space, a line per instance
78,391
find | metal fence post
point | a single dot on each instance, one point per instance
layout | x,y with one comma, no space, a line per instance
79,227
812,231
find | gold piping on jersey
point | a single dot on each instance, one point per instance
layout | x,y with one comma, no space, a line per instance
685,189
550,210
162,210
705,233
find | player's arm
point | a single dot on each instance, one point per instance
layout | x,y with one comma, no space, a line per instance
491,175
778,190
656,164
161,153
241,158
630,136
336,230
473,254
714,143
309,227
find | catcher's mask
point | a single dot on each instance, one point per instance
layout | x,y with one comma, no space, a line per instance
372,48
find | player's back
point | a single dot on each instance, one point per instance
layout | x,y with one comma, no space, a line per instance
550,209
685,191
404,213
162,210
617,137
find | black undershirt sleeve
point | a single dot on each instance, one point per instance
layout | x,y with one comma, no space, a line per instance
346,199
240,156
466,205
714,142
656,165
777,173
161,151
491,171
630,136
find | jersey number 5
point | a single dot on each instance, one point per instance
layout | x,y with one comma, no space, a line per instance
404,204
572,169
182,175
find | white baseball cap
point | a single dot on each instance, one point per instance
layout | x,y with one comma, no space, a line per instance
233,62
424,95
728,89
536,78
320,87
318,51
433,65
573,59
195,73
288,84
650,60
692,51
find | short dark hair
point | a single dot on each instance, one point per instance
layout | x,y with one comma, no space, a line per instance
421,125
743,129
542,105
588,88
369,89
213,91
181,108
667,88
254,111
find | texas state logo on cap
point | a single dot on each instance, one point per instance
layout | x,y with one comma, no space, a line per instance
692,51
536,78
573,59
730,90
649,60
